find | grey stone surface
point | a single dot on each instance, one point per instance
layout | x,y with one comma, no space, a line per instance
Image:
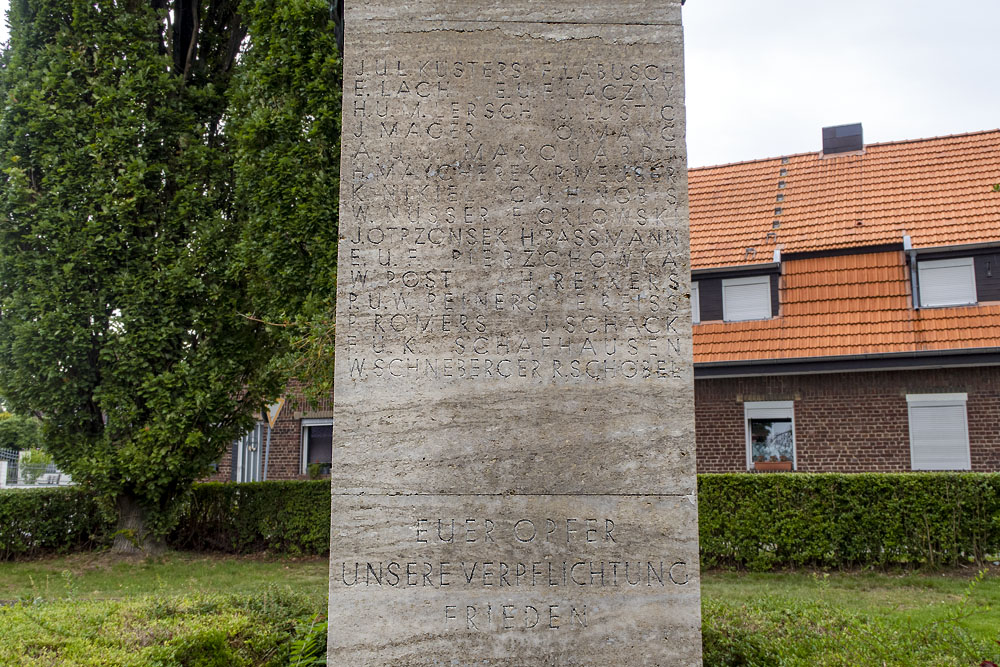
574,580
513,338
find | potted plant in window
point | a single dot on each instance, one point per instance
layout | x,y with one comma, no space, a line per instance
318,470
773,465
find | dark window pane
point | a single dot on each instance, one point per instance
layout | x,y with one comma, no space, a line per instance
771,439
319,444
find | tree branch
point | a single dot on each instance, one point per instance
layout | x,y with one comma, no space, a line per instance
196,24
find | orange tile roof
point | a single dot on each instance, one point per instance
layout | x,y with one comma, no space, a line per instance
936,190
847,305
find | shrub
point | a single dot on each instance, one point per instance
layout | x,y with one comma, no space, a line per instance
838,520
33,463
34,522
758,522
281,517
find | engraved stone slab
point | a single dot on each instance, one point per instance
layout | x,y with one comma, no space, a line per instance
567,579
513,339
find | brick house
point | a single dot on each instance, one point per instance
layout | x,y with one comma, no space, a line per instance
847,309
302,434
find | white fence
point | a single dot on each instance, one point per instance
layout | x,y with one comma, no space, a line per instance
15,473
8,467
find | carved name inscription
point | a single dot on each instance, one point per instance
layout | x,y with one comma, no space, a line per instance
557,207
513,478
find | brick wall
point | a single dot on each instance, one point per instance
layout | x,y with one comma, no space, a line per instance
845,422
286,436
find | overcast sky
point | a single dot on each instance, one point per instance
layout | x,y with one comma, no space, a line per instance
764,77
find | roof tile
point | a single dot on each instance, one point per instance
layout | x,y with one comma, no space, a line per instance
936,190
844,313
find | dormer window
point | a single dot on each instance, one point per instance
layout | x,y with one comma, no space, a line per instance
746,298
947,282
735,296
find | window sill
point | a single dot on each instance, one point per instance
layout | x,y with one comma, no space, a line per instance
772,466
950,305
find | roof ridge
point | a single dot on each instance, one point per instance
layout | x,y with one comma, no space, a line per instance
878,143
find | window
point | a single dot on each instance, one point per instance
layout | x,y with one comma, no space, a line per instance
770,429
695,303
247,459
939,433
947,282
317,444
746,298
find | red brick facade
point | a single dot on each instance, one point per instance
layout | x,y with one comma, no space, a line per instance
845,422
285,460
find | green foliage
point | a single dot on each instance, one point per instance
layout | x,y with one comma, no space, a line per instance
37,522
279,517
191,631
309,648
126,273
317,470
19,432
36,457
762,522
32,464
759,522
286,129
776,632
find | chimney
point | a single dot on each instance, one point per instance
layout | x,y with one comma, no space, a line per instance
842,139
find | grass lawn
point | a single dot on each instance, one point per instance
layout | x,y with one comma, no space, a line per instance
917,600
789,618
100,576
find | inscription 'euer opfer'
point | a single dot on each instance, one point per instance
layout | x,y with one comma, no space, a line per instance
513,305
523,530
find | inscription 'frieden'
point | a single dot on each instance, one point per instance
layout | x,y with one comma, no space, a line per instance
513,473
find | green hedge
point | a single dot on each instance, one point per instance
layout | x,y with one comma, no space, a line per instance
36,522
280,517
769,521
758,522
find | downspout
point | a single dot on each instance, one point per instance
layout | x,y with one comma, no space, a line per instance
912,254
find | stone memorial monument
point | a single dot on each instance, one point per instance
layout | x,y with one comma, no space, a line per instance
514,465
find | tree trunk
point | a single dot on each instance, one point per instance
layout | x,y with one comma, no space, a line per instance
132,537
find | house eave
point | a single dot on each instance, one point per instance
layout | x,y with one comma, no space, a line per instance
889,361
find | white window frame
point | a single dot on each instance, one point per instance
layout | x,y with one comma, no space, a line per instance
769,410
239,463
963,265
695,303
939,401
303,427
728,283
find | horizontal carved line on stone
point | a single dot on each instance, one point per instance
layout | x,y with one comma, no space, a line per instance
439,21
514,495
